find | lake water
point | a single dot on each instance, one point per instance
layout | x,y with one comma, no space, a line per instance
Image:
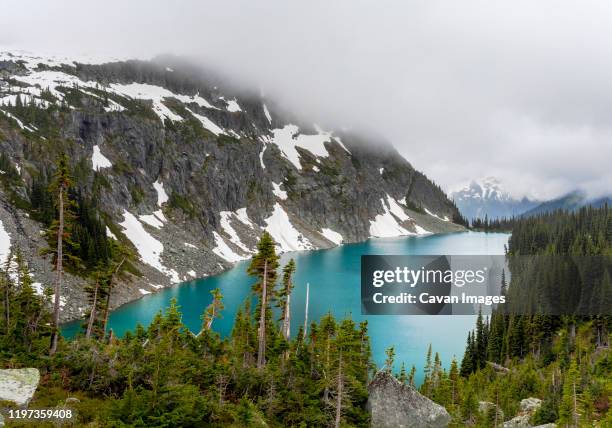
334,277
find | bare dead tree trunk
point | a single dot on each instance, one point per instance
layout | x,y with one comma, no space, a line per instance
575,412
7,284
339,393
287,318
59,267
92,313
212,317
108,295
261,354
306,311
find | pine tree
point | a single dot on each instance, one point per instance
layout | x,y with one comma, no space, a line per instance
213,310
454,382
60,185
496,337
568,410
6,282
467,363
390,353
427,374
403,376
263,266
284,298
480,355
96,298
516,337
412,375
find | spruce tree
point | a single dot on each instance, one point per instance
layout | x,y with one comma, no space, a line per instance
213,310
263,266
284,298
61,184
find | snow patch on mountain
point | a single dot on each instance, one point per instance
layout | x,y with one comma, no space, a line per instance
232,106
207,123
162,196
5,244
421,230
284,233
261,154
289,137
436,215
110,234
386,225
98,160
152,220
241,214
332,235
149,248
155,94
16,119
267,113
226,217
396,210
280,194
224,251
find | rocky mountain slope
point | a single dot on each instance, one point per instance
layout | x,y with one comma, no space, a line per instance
188,171
487,197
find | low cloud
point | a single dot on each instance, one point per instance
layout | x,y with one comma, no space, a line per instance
519,90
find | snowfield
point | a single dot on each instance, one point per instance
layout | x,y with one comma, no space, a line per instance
207,123
284,233
162,196
224,251
149,248
5,244
280,194
289,137
332,236
98,160
226,216
267,113
386,225
436,216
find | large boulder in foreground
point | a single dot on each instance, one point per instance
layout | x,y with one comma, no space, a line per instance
396,405
18,385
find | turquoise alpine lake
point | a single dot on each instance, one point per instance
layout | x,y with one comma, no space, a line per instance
334,278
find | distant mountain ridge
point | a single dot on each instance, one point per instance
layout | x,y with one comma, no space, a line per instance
569,202
487,197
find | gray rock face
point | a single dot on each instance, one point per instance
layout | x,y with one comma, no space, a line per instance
396,405
254,168
18,385
527,408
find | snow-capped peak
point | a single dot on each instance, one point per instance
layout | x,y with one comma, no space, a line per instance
487,196
487,188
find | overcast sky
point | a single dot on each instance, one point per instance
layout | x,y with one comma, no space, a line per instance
520,90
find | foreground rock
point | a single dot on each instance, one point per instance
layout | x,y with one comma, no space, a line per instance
18,385
396,405
527,408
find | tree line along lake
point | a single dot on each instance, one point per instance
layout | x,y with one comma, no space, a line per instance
334,278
